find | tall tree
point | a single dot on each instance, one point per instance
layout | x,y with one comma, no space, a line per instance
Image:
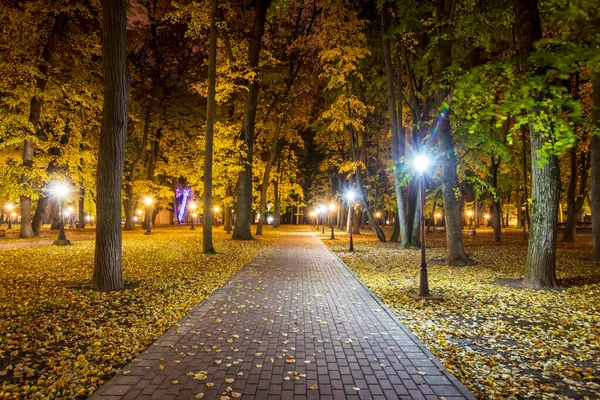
34,116
241,230
456,254
540,268
207,242
595,176
108,274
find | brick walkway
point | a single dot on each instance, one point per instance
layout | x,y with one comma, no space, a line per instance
294,324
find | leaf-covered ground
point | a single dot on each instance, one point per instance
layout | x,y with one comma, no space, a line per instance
501,342
60,339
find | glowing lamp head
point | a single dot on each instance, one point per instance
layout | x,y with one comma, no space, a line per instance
312,214
487,216
377,214
60,190
470,213
421,163
70,209
148,201
194,215
14,214
332,207
10,207
192,206
322,209
87,218
270,220
67,213
140,212
217,209
135,219
350,195
438,215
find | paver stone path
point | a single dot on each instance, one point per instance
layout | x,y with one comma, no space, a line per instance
293,324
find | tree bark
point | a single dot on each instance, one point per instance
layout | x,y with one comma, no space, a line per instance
241,230
80,209
108,252
540,267
595,175
35,107
571,222
207,242
496,210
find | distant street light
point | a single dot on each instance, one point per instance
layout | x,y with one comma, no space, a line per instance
148,202
217,209
323,212
9,208
421,162
313,215
60,191
332,208
350,197
192,207
377,217
470,214
487,219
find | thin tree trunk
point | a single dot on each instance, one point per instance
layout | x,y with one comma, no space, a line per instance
108,253
241,230
398,134
80,209
207,242
496,210
267,177
35,108
527,221
571,222
540,268
595,175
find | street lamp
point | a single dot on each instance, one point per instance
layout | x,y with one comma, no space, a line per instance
470,214
313,215
421,162
323,212
350,197
377,217
60,191
332,208
487,219
148,202
193,207
9,208
216,209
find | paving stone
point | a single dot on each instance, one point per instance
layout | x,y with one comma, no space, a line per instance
295,302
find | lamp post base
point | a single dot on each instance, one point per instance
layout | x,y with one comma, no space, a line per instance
62,242
147,233
417,296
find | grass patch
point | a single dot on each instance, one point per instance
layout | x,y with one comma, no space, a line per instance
60,339
501,342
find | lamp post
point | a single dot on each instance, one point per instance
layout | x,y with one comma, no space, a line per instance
487,219
378,217
314,218
148,202
350,198
192,208
216,209
332,208
470,215
421,162
10,208
323,212
60,191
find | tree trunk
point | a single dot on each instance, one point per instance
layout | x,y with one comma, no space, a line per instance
595,175
496,210
40,212
571,223
207,242
241,230
277,209
398,133
35,107
108,253
540,267
80,210
267,177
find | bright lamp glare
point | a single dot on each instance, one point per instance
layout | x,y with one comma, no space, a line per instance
60,190
148,201
10,207
217,209
322,209
421,163
350,195
332,207
270,220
